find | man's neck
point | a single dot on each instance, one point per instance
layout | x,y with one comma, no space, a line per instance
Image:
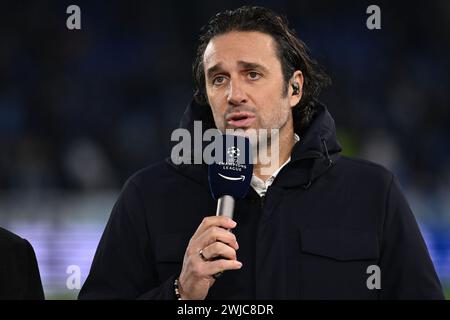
264,171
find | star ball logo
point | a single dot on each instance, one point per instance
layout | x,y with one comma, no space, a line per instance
234,153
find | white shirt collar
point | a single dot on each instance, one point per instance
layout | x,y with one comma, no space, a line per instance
261,186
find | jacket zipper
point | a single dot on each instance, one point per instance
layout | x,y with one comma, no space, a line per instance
262,201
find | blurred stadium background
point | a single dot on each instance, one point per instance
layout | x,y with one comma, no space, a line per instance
80,111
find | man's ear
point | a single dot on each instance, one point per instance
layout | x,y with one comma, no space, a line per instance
296,88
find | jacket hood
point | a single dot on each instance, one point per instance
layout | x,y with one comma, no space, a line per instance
316,152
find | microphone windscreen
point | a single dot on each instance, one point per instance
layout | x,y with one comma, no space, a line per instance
231,172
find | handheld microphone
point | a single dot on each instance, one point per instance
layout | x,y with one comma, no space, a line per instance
230,175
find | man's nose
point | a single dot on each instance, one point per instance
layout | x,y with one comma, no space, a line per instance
236,94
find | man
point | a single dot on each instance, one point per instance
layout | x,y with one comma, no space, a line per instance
19,272
313,228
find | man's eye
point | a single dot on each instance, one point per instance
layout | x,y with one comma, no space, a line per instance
218,80
254,75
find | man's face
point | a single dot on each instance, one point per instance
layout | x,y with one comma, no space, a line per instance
244,82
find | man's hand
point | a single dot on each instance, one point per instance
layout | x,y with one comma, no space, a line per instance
211,240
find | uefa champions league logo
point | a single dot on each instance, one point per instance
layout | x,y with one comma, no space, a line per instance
233,152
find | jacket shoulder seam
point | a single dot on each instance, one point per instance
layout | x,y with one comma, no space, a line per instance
366,163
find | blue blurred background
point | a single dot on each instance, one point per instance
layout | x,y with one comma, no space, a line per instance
81,110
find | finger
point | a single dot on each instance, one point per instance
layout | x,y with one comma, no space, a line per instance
215,234
216,266
219,249
214,221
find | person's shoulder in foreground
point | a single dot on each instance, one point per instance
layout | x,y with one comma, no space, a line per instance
19,272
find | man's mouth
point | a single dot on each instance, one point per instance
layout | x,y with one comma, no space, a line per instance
240,119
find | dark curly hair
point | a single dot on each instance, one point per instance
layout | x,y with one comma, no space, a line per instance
292,52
